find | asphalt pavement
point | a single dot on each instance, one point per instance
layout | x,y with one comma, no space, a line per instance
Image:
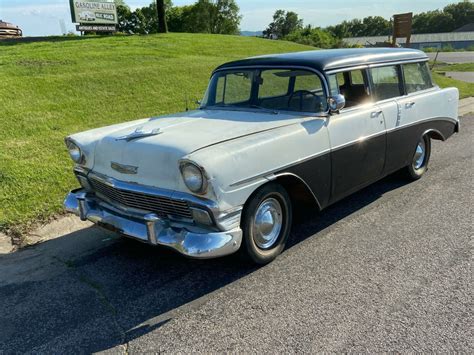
387,269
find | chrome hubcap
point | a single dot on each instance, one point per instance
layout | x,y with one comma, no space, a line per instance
267,223
419,157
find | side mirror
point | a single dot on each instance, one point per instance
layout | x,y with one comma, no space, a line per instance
336,103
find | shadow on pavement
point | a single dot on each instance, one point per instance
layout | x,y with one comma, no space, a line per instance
119,289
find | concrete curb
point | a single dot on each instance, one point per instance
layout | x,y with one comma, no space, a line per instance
466,106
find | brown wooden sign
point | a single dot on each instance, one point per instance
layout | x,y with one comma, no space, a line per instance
402,27
96,28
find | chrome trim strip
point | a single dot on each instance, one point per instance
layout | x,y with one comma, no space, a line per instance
358,140
269,172
422,121
368,65
299,161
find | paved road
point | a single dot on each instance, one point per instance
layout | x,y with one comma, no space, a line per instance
453,57
388,269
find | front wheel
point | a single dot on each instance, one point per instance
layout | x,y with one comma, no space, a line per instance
266,223
420,160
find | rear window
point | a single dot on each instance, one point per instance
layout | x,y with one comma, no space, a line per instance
417,77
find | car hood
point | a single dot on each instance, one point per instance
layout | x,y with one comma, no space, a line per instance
166,140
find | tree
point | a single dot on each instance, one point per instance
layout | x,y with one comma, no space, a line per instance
162,26
462,13
315,37
284,22
206,16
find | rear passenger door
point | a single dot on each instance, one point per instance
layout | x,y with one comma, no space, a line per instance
387,87
402,135
357,135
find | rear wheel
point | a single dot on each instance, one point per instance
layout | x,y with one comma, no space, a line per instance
266,223
420,160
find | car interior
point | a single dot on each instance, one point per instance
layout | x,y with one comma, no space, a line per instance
354,86
291,90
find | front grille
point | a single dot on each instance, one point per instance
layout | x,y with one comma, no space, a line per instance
163,206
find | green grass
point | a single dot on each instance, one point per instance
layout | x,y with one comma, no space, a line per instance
444,67
439,70
54,88
57,87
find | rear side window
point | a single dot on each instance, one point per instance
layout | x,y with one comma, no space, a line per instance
386,82
417,77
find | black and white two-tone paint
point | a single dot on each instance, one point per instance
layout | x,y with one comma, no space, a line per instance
273,134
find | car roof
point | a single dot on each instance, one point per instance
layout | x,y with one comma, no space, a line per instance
330,59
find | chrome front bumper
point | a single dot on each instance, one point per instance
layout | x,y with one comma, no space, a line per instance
152,229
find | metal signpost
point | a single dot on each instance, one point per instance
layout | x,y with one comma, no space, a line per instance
94,15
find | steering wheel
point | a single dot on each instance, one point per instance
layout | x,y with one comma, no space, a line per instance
301,93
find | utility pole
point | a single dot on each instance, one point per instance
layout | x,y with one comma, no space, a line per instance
160,8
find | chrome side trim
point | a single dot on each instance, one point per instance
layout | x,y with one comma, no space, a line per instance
269,172
449,119
366,66
299,161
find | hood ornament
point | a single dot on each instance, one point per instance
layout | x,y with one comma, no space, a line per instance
139,133
124,169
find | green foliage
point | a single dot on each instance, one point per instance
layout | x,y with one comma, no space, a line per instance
369,26
205,16
65,85
284,23
450,18
315,37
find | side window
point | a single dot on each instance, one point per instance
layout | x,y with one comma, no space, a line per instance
234,88
386,82
354,86
417,77
357,78
274,83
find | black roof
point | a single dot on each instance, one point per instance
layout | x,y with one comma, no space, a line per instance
329,59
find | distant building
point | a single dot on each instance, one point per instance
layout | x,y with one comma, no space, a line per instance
7,30
466,28
456,40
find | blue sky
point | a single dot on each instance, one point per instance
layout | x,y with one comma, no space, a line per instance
44,17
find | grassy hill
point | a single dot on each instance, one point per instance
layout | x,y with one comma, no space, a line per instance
54,88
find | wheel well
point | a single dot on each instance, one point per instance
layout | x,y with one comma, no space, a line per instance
434,134
302,198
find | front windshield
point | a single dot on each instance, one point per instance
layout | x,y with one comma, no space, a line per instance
272,89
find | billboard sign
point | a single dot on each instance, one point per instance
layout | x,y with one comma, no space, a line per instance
94,12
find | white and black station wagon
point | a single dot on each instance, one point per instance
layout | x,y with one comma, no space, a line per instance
273,133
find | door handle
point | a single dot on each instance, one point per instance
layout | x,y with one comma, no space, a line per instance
409,104
375,114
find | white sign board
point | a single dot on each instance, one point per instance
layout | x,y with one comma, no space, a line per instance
94,12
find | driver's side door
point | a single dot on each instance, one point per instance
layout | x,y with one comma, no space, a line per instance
357,138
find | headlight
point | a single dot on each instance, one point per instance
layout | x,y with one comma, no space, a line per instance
193,177
75,152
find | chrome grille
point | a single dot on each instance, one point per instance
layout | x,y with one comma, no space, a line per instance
161,205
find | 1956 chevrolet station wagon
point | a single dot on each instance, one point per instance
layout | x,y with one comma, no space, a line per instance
273,134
